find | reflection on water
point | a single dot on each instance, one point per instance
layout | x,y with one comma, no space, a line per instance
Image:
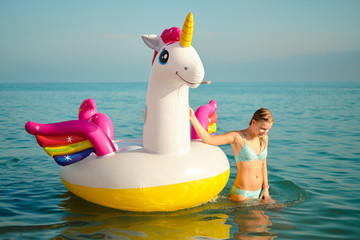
253,224
89,221
105,223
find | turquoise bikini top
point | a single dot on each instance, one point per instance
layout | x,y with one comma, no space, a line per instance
248,154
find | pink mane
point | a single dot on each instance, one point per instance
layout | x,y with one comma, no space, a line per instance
169,36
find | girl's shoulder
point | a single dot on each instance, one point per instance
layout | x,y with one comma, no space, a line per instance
237,136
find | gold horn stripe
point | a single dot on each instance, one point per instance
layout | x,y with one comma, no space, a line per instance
187,32
184,40
188,23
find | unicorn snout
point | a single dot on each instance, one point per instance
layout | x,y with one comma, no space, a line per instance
190,78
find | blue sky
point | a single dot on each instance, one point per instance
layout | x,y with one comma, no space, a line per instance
99,41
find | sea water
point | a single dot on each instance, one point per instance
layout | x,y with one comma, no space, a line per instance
313,164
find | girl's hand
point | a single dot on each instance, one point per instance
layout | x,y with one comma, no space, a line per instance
191,113
265,194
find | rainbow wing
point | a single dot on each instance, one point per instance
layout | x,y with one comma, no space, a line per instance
71,141
66,149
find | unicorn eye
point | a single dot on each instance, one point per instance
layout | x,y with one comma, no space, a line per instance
164,57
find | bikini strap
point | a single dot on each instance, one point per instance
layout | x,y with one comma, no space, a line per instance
242,136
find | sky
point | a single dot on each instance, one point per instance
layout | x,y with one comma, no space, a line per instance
239,40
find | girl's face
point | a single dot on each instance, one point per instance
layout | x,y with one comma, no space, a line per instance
262,127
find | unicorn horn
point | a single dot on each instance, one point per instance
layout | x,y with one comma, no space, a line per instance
187,31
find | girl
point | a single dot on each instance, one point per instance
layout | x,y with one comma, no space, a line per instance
250,151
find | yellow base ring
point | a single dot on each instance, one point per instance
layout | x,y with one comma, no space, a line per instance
163,198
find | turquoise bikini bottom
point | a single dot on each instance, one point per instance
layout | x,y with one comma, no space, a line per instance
245,193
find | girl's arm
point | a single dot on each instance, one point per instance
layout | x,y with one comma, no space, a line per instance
265,191
227,138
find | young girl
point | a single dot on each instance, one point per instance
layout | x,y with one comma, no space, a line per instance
250,151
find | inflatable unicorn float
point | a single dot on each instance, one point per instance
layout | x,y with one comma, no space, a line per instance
163,171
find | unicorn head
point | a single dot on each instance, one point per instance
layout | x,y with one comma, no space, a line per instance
175,59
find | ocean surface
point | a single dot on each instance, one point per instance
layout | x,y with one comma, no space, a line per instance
313,164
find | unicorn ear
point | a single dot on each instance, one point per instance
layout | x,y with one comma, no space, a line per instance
153,41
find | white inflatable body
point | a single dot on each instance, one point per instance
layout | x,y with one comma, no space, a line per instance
165,170
136,180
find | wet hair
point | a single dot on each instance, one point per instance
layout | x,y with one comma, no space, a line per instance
262,114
